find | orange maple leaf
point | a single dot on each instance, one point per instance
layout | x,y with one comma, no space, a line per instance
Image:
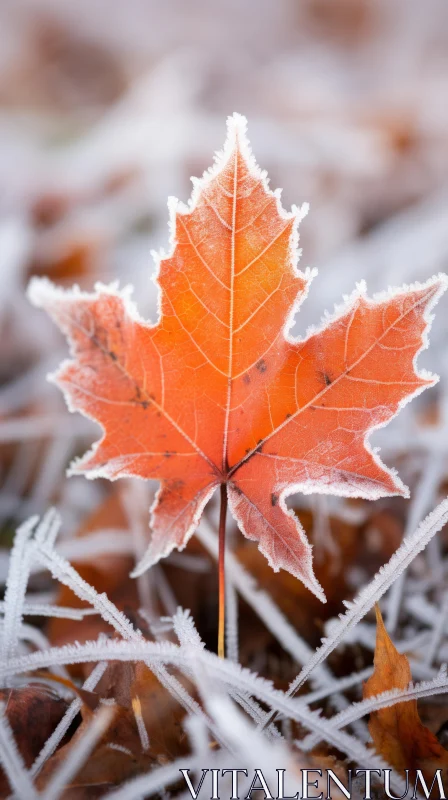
217,392
397,731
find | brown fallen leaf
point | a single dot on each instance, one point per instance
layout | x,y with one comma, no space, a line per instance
161,713
117,757
32,712
121,753
397,731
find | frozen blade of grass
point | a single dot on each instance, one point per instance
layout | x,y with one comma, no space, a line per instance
259,600
140,722
107,540
254,710
185,629
243,698
66,574
136,501
371,593
189,562
419,607
48,529
251,747
28,633
186,632
338,685
115,618
120,748
39,427
422,499
53,466
342,684
61,612
435,558
291,709
34,636
270,614
153,782
231,621
218,669
79,753
12,762
62,727
164,590
16,585
188,636
312,720
17,394
322,535
19,475
178,691
438,685
438,631
197,733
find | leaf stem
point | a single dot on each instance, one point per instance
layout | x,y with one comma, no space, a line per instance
221,568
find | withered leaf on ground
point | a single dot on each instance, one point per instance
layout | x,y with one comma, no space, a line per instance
397,731
33,712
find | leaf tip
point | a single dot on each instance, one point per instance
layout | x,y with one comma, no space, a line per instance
236,125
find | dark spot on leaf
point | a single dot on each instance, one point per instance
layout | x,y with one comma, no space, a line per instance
274,499
261,365
288,415
237,489
113,355
246,379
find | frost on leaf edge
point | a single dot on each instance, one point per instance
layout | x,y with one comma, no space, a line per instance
431,379
41,293
237,135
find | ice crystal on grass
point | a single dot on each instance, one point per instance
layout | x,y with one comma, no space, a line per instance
219,683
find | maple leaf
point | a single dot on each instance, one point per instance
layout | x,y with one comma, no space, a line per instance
217,391
397,731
